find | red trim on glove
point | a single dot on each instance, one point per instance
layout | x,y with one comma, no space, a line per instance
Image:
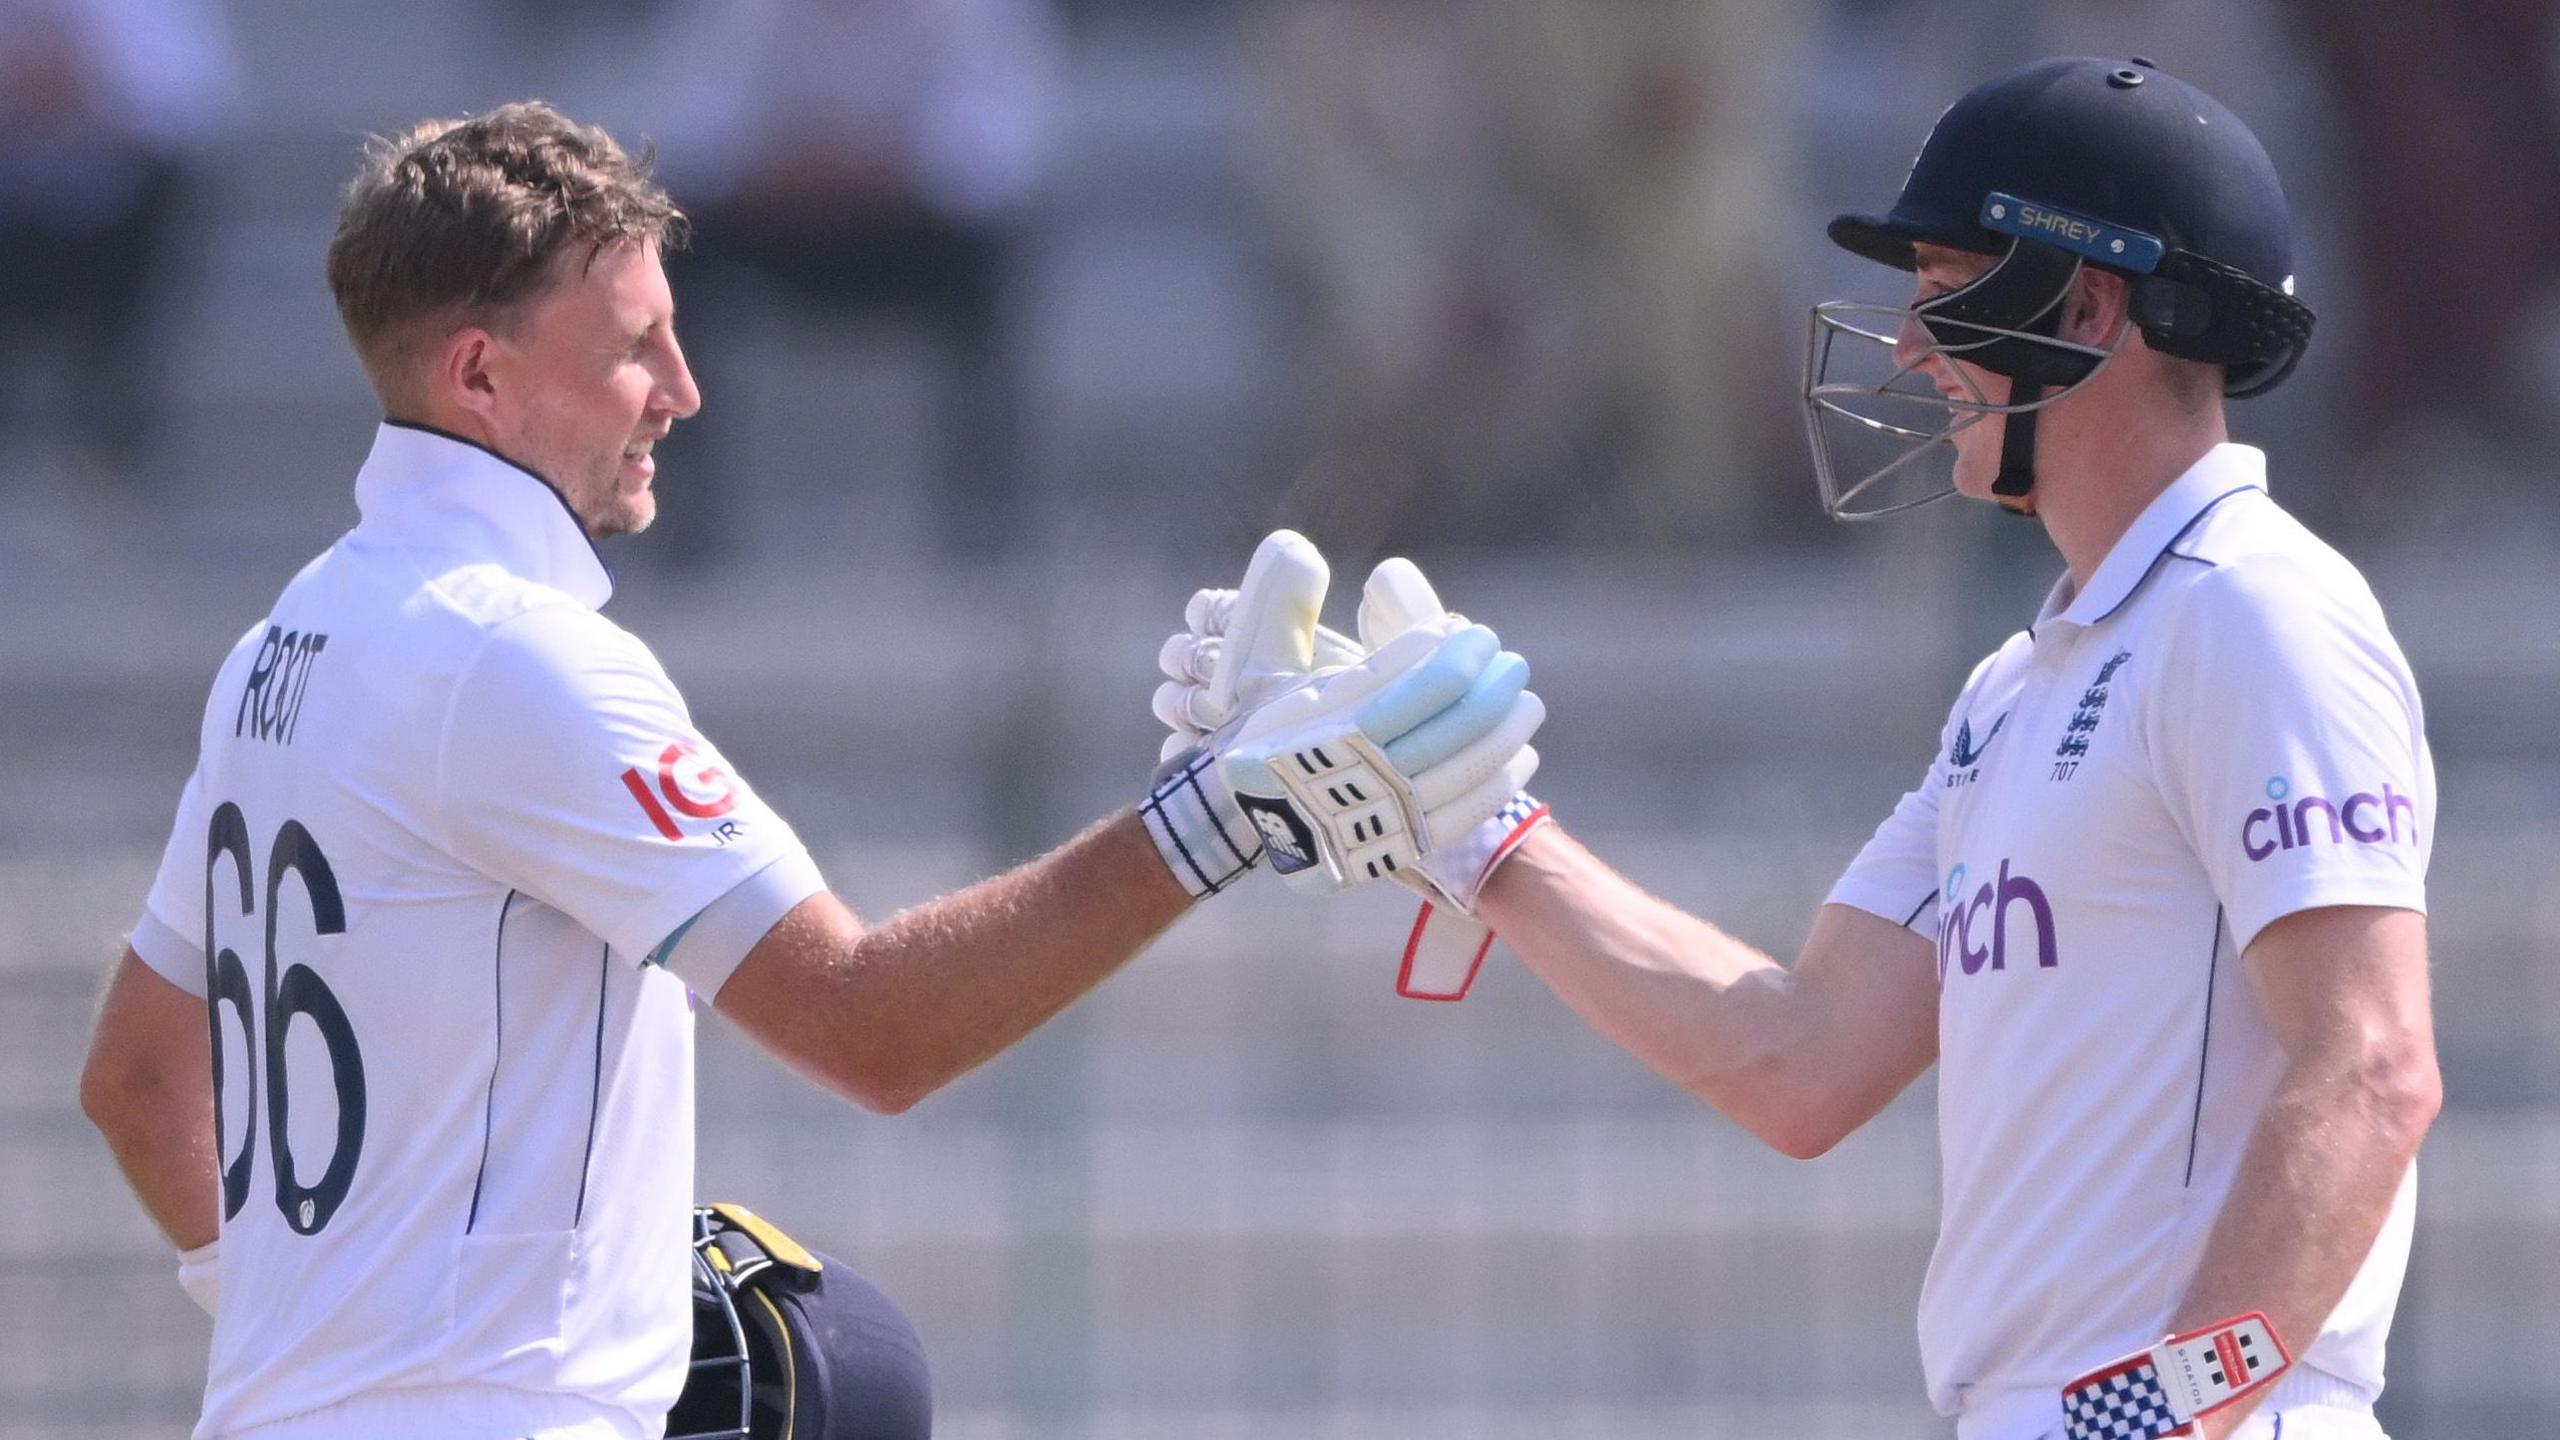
1413,942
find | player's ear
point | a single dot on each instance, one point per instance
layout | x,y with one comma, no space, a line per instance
2096,310
463,367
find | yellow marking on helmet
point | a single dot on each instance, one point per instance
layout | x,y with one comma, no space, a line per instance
783,1249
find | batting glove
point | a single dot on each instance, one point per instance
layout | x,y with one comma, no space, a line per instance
1356,776
1447,944
1243,646
2165,1390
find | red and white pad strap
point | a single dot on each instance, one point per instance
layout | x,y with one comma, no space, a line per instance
2164,1390
1448,943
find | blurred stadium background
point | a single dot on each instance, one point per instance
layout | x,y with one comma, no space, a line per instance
1019,322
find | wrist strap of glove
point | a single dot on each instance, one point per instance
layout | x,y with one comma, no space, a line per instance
1197,825
1448,943
1460,868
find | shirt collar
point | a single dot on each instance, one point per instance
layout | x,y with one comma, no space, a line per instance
2223,471
425,486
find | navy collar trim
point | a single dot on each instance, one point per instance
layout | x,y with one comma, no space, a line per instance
423,428
2169,548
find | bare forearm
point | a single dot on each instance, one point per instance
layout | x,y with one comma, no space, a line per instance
1706,1011
896,1012
2313,1190
148,1087
169,1163
2344,988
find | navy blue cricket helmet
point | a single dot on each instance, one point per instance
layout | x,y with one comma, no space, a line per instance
2053,166
789,1344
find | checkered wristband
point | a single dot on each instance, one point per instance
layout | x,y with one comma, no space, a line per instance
1197,825
2164,1390
1459,868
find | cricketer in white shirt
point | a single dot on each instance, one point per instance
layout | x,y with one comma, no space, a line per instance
2156,911
2215,732
400,1053
447,829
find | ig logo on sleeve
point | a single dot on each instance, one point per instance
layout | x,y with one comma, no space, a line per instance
691,784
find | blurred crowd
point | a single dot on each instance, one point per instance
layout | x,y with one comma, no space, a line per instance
1538,269
108,110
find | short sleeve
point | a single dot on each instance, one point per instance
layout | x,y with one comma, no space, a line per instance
1896,874
2289,745
707,949
571,770
169,934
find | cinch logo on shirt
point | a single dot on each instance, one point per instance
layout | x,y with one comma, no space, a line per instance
2286,823
1974,931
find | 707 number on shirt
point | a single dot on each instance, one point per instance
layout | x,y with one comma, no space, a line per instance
268,1011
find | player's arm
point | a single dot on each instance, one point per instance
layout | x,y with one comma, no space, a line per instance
2344,989
148,1087
1437,719
887,1015
1798,1056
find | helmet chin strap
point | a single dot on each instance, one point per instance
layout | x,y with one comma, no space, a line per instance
2015,486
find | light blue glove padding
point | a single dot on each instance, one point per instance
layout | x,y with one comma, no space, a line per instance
1357,775
1440,681
1442,704
1457,726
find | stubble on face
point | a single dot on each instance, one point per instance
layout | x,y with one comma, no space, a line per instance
605,382
617,510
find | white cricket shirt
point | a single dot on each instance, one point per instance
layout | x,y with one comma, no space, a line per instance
442,816
2217,732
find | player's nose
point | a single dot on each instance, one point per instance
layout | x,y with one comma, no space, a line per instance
678,394
1911,342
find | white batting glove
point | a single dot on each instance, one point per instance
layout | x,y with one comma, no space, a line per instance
2163,1391
1358,775
1197,697
1448,943
1264,641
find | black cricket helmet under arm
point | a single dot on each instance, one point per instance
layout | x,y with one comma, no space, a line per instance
2051,167
789,1344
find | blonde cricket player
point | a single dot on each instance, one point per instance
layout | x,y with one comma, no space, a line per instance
2156,906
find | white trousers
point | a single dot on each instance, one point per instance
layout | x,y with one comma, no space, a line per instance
2312,1422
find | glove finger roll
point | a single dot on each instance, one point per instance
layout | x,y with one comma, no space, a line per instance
1395,600
1172,703
1483,759
1421,690
1477,712
1177,659
1201,710
1452,821
1207,611
1272,625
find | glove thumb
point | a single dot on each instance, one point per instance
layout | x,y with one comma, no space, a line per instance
1271,631
1395,600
